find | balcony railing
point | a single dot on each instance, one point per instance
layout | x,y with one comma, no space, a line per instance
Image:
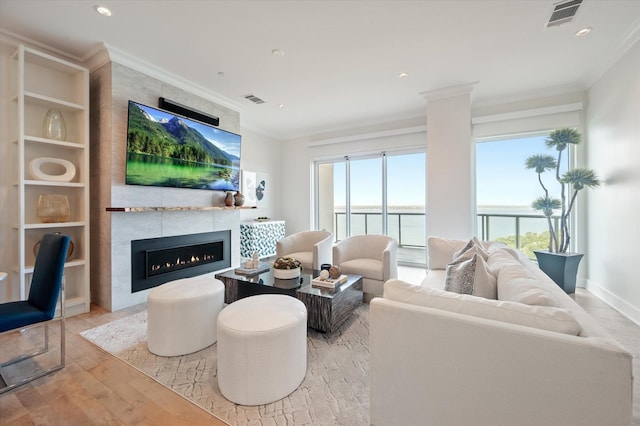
410,228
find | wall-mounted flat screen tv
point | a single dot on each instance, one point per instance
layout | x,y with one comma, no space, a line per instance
165,149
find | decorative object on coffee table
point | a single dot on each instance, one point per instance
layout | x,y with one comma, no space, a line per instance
53,208
285,268
335,271
325,281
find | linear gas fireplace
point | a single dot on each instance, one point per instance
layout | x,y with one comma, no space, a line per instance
155,261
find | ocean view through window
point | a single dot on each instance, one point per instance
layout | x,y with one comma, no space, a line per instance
382,194
505,190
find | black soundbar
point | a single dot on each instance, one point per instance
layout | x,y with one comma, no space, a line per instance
187,112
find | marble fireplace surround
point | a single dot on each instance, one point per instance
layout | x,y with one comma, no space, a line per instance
140,223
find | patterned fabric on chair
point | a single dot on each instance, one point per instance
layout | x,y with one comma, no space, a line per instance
371,256
311,248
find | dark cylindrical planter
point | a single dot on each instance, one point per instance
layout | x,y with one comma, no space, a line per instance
562,268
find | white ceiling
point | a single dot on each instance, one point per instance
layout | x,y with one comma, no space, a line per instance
342,58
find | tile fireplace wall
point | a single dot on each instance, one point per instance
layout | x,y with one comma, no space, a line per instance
112,86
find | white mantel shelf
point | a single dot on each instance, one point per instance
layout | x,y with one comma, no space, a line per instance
174,209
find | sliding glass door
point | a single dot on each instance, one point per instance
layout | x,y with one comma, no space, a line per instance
381,194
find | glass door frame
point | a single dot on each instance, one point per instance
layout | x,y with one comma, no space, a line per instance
346,159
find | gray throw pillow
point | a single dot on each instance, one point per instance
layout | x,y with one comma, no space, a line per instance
471,276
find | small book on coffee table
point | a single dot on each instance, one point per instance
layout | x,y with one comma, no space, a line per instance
329,282
263,267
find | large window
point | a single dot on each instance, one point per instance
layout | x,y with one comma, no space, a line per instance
505,189
381,194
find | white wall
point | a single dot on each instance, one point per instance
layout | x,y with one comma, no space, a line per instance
613,147
261,154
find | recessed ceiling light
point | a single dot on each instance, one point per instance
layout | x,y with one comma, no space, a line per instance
277,52
220,73
102,10
403,75
281,106
583,32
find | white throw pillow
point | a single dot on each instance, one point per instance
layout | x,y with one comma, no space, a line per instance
541,317
471,276
440,251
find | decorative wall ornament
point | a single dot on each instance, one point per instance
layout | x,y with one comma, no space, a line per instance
52,165
53,208
262,190
249,187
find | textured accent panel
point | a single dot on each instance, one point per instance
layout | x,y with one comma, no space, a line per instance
260,237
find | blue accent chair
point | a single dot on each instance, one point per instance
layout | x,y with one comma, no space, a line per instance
39,309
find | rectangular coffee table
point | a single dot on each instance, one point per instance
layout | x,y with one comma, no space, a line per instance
327,309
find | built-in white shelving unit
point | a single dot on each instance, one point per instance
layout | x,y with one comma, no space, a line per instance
42,82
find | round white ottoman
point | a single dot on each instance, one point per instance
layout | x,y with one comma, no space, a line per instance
262,348
182,315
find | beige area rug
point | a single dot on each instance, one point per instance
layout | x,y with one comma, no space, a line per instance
335,390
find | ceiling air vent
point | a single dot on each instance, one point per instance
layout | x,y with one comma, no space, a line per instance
563,12
251,97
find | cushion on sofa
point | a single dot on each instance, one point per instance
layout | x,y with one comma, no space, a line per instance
440,251
541,317
368,268
516,283
473,245
471,276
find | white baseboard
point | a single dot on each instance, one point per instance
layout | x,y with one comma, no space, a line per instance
625,308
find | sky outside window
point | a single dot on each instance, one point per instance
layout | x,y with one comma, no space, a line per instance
502,180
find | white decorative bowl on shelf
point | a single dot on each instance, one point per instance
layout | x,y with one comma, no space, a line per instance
286,274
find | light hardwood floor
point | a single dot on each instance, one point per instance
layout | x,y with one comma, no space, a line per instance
97,388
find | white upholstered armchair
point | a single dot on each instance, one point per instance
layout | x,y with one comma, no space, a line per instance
311,248
372,256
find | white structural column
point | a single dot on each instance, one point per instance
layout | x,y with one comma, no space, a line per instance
450,163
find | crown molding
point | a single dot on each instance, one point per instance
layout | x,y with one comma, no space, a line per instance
627,42
370,135
107,53
449,92
15,39
534,112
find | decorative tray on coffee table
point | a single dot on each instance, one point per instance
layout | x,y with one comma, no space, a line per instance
329,282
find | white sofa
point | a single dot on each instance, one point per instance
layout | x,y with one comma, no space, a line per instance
441,358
